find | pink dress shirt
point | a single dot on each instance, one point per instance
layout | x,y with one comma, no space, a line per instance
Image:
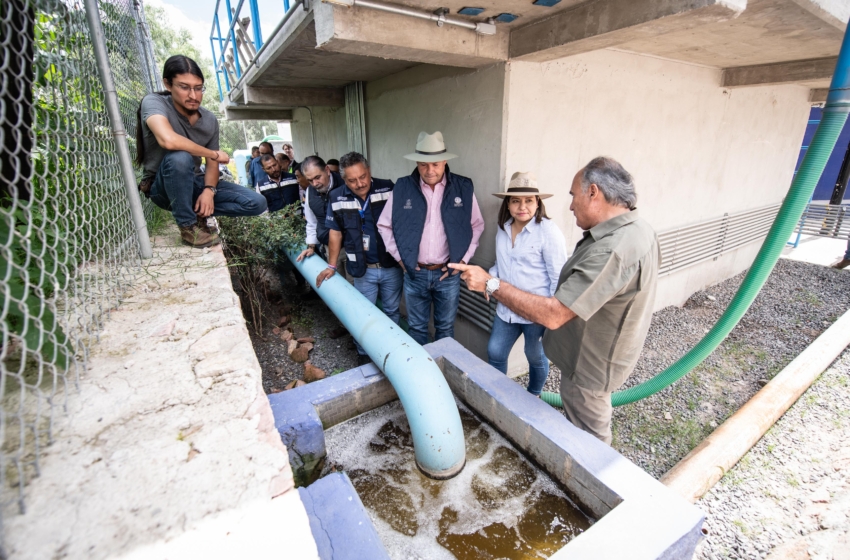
434,247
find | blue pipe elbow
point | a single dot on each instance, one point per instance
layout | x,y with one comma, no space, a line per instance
423,391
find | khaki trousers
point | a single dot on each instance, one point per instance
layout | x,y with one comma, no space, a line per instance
586,409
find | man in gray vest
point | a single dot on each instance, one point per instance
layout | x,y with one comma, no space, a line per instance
431,219
599,316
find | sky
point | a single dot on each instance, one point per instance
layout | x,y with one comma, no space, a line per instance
197,16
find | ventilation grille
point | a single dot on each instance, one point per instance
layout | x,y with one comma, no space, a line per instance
689,245
695,243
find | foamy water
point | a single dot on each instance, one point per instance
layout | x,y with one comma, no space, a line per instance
500,505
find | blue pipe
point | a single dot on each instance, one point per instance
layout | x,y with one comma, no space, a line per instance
423,391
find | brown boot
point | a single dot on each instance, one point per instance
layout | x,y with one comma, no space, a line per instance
197,237
843,263
209,225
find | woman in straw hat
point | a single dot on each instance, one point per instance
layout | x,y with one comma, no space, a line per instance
530,252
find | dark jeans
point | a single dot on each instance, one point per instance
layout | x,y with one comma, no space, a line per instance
176,188
425,289
502,339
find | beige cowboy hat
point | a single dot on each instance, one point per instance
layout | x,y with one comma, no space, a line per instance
522,184
430,148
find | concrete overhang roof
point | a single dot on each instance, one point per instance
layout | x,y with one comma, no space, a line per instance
756,42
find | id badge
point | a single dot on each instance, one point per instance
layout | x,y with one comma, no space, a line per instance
365,243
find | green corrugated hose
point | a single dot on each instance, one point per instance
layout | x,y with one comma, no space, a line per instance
834,117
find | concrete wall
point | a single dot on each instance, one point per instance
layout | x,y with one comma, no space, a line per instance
695,149
330,128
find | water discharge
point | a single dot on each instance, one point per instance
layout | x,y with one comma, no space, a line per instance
499,506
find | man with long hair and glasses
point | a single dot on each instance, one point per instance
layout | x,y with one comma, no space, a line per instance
173,133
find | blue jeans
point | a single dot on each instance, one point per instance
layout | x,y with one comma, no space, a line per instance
385,282
425,289
176,188
502,339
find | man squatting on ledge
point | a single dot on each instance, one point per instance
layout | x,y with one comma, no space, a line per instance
173,133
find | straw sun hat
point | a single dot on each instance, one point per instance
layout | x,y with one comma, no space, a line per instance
522,184
430,148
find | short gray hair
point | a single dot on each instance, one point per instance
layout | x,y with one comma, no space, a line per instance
615,183
351,159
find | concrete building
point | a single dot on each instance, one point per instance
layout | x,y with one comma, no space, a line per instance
705,102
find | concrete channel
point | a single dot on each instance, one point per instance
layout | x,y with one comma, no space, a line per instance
637,516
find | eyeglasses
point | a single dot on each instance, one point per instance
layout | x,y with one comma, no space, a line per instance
186,89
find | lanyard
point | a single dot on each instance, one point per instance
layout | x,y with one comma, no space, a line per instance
362,211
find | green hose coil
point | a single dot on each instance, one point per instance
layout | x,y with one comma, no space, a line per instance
814,162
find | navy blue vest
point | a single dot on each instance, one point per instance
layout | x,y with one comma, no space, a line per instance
346,208
410,207
319,206
280,194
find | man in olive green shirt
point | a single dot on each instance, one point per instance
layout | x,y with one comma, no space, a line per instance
599,316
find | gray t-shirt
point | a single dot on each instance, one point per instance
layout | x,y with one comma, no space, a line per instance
204,132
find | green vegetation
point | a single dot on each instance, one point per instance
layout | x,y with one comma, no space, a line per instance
253,245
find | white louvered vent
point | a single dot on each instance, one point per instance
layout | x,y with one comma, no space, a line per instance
681,247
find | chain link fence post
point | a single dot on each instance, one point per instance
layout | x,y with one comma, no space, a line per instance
118,132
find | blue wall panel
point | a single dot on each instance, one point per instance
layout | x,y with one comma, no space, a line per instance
830,174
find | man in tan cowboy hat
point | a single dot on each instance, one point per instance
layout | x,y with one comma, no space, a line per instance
599,316
431,219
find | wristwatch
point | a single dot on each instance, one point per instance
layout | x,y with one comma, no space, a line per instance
210,187
492,285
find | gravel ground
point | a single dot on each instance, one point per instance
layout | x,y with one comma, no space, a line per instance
798,302
310,317
789,497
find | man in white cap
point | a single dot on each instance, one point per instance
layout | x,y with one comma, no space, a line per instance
598,318
431,219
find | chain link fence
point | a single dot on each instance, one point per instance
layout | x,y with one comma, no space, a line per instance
68,248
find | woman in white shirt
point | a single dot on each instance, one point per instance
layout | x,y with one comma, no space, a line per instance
530,252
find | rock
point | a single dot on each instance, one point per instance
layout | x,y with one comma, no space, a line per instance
306,339
763,382
668,416
300,354
294,384
312,373
291,346
711,298
284,320
278,371
307,345
276,330
286,336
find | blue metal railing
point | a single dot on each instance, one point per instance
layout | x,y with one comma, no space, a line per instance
234,38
